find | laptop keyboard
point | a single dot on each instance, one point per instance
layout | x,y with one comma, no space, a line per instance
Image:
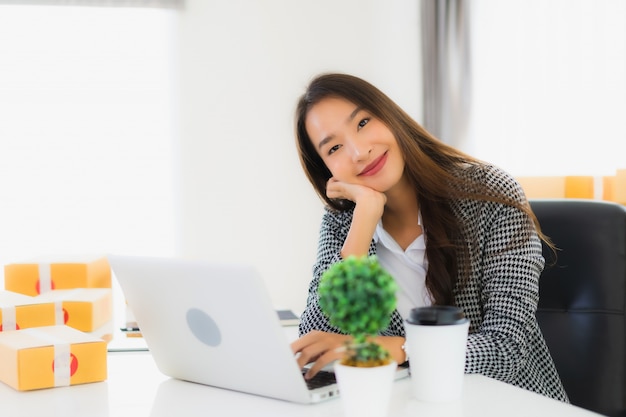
321,379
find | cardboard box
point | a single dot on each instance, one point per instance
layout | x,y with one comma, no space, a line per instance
40,276
85,309
51,356
608,188
104,332
543,187
579,187
558,187
19,311
620,186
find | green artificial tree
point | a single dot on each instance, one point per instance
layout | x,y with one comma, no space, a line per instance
358,296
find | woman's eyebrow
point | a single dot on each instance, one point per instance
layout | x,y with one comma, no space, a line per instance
348,120
325,141
354,113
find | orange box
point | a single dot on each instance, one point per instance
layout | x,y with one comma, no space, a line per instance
19,311
579,187
608,188
543,187
104,332
620,186
85,309
571,186
37,277
51,356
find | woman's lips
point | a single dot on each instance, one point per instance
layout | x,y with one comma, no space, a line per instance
375,166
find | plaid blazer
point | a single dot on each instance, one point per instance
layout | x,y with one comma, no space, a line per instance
500,297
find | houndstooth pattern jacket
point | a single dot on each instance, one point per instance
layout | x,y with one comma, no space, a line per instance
500,297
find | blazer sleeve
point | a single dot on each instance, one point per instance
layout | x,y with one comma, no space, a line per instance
504,307
333,233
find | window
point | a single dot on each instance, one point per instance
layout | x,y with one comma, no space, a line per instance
549,92
87,131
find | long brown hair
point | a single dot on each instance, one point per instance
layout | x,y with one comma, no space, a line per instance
431,166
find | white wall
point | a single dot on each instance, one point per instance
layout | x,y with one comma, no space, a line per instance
243,65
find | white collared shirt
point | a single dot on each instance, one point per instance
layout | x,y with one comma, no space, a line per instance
408,267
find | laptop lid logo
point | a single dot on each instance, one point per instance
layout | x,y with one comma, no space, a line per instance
203,327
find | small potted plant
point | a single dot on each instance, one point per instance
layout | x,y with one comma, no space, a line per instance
358,296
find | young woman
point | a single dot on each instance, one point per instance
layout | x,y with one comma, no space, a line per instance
451,229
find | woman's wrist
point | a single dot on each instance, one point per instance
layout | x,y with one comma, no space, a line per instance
394,345
405,349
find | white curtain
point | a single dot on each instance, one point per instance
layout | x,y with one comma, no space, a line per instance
100,3
447,69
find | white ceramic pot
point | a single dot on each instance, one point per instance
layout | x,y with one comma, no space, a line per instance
365,391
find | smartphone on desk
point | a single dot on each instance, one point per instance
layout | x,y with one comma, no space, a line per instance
288,318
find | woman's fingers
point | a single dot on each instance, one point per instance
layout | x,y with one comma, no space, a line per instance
319,348
328,357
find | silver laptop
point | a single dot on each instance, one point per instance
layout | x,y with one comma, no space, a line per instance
214,324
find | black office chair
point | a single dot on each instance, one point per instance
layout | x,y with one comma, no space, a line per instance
582,300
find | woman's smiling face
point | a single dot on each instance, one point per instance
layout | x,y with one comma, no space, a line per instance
356,147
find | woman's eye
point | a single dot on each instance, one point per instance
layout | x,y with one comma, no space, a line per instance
333,149
363,122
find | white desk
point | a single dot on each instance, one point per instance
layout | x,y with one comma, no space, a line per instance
136,388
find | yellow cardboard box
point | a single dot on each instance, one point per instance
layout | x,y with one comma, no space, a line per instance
19,311
40,276
620,186
579,186
51,356
104,332
85,309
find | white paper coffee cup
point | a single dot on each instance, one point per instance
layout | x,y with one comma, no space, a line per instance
436,339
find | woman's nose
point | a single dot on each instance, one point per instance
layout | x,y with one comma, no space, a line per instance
359,150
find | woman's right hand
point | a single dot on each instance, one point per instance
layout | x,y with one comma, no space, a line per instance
358,194
370,205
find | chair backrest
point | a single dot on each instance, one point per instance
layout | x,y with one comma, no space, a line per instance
582,299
